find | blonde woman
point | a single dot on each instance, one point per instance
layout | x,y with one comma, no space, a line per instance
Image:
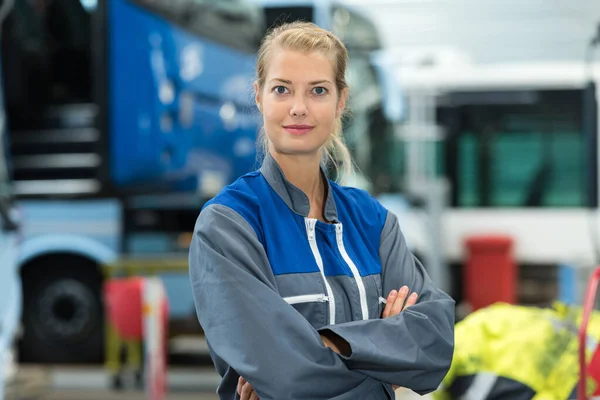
301,284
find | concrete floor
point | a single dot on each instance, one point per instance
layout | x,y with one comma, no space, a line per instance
105,395
93,383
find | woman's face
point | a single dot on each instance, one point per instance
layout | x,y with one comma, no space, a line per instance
299,101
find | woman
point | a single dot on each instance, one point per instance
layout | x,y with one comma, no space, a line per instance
289,269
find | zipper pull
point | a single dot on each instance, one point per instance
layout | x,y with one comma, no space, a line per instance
338,233
311,227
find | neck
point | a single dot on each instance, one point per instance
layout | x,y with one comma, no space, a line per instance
304,172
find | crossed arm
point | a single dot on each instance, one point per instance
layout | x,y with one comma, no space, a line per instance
396,302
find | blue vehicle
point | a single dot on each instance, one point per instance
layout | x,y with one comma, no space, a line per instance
10,283
124,117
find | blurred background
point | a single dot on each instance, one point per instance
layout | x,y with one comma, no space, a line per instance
476,122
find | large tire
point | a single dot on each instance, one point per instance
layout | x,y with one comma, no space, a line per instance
63,319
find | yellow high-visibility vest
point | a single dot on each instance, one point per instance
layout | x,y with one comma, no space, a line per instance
520,353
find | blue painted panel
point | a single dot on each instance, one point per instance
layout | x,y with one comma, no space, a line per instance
179,292
150,145
90,228
567,284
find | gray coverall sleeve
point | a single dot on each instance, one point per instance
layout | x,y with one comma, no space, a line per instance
251,328
412,349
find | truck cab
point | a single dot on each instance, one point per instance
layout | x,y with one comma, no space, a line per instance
124,117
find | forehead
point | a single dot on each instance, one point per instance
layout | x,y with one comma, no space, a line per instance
300,67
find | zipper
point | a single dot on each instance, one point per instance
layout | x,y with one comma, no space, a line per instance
307,298
359,282
312,240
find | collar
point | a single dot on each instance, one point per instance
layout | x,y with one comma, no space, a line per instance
293,197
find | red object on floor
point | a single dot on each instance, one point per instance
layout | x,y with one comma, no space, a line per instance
490,274
124,306
593,369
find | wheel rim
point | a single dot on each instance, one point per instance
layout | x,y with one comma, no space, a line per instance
66,310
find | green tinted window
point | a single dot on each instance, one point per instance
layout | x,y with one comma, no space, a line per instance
469,189
521,156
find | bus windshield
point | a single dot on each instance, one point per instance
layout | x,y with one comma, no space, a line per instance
233,23
520,155
279,15
355,30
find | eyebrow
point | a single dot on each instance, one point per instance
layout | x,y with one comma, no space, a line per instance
290,82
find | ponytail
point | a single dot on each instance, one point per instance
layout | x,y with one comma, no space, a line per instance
337,155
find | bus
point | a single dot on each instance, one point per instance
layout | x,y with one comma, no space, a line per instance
519,151
124,117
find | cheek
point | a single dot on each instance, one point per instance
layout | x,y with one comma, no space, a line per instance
271,111
270,121
327,115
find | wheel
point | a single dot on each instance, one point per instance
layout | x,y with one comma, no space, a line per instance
62,313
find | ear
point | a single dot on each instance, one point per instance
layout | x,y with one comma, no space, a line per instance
257,97
341,103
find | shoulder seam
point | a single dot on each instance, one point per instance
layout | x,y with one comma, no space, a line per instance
247,224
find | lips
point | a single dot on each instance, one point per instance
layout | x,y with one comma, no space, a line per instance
298,129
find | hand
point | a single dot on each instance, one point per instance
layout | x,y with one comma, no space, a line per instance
246,391
395,304
330,344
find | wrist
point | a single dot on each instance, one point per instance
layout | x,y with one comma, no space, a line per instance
328,343
336,343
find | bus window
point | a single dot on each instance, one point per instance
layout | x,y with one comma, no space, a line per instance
275,16
233,23
356,31
365,101
469,193
521,155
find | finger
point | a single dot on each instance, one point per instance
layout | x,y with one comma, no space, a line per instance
399,303
240,384
412,300
246,391
389,303
254,396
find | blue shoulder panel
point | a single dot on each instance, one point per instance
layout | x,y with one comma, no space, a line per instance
282,232
240,197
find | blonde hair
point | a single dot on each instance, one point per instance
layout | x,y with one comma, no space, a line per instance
307,38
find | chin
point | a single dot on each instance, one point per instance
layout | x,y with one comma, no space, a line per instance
298,150
298,146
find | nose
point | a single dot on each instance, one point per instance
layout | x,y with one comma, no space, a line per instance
298,108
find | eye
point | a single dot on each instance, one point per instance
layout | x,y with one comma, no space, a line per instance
280,89
319,91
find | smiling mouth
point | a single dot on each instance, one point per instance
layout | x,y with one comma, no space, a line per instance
298,129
